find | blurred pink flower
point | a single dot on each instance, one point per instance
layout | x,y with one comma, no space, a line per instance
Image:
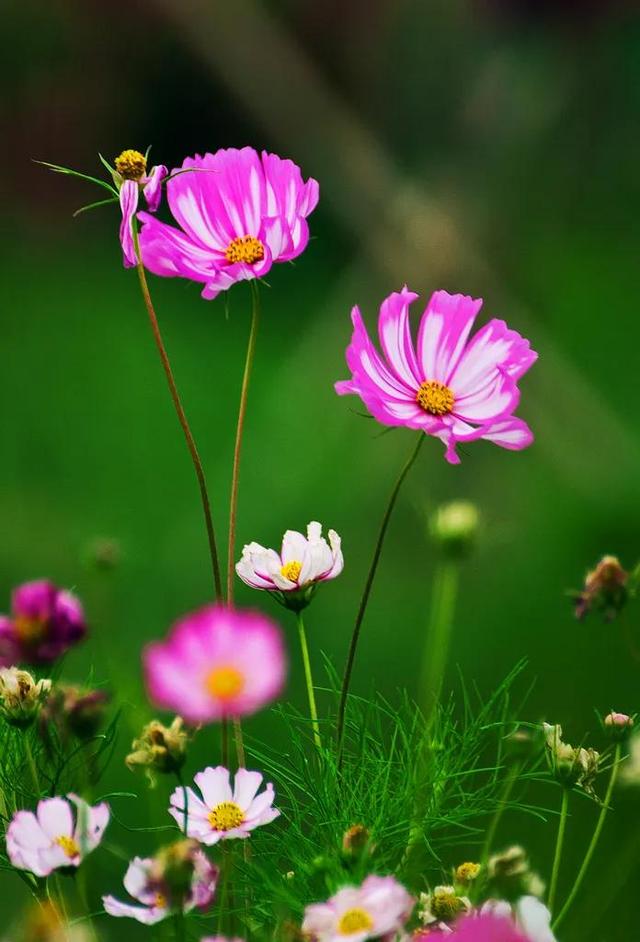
239,212
223,813
53,837
300,565
45,621
131,178
379,906
528,913
216,662
486,927
155,898
458,391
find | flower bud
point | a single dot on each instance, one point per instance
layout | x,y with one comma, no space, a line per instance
605,590
173,868
74,711
454,527
21,697
103,553
570,766
356,840
159,748
618,725
510,875
466,873
442,905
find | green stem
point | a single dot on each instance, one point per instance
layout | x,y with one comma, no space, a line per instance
436,651
182,418
503,802
594,840
185,800
348,671
242,410
557,857
309,681
33,769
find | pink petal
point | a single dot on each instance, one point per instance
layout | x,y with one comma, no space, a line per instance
153,187
495,349
443,332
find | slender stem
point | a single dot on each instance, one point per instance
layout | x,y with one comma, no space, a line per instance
185,800
436,651
346,682
224,740
240,754
33,769
557,857
242,410
308,676
182,418
594,840
503,802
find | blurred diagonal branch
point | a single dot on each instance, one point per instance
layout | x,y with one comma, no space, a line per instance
399,227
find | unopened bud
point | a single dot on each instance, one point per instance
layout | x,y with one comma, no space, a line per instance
173,868
510,875
21,697
74,711
605,590
618,725
103,553
570,766
454,526
159,748
466,873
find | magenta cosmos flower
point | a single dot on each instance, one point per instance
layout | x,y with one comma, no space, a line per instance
486,927
132,179
239,212
215,663
297,569
223,813
447,385
154,897
45,621
60,834
378,907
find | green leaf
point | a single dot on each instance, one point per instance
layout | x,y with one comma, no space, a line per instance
75,173
84,209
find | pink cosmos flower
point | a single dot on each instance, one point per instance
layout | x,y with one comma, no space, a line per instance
223,813
447,385
300,565
379,906
486,927
45,621
132,179
53,837
529,914
239,212
141,883
215,663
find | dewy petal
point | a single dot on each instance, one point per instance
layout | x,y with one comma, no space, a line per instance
148,915
534,919
55,817
245,787
294,547
395,336
214,785
136,880
511,433
153,187
129,193
444,329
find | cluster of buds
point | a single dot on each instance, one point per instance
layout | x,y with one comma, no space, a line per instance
454,527
571,766
442,906
356,842
73,711
605,590
466,874
159,748
21,696
510,875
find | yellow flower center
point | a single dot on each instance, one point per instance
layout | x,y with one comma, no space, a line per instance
68,845
435,397
160,901
30,629
355,920
291,570
225,683
245,249
445,905
226,816
131,164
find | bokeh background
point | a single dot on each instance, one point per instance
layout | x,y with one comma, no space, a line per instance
490,148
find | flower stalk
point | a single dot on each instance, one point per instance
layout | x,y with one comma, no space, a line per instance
436,651
309,681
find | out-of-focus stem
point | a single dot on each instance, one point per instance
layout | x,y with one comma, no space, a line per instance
348,671
503,802
182,418
557,857
594,840
308,676
436,651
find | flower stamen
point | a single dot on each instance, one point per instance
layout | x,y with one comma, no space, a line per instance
291,570
355,920
225,682
225,816
131,164
435,397
246,249
68,845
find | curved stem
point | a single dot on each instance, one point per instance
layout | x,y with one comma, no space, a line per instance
557,857
309,681
594,840
235,476
182,418
445,590
346,682
503,802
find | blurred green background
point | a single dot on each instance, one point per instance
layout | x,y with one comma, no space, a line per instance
490,148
